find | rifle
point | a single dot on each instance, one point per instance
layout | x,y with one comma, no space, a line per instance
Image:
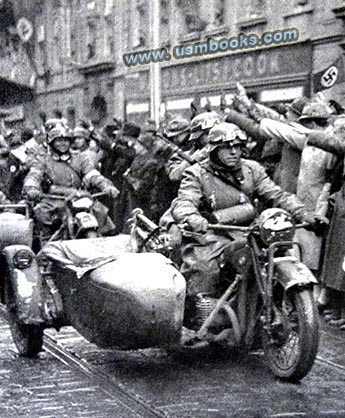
176,149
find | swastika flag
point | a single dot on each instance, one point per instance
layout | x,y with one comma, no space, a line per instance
327,78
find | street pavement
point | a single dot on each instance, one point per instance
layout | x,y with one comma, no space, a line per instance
46,388
197,385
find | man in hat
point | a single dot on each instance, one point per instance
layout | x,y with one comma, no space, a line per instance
118,161
140,177
62,172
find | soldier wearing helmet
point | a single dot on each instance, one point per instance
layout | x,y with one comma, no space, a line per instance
221,189
198,138
81,138
62,172
177,132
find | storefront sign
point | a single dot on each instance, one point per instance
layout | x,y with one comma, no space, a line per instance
264,67
258,67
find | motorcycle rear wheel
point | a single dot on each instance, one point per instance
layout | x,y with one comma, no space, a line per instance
291,358
27,338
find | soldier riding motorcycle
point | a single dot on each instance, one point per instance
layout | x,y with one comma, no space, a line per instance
222,190
61,173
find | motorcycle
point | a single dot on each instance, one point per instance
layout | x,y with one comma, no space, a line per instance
112,295
76,216
265,297
125,293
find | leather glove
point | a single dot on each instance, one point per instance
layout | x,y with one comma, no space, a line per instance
316,223
32,193
197,223
175,235
112,192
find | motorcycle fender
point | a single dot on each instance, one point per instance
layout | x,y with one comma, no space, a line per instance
293,273
26,287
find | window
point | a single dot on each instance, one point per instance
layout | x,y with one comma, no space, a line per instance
213,13
165,21
109,47
91,39
191,16
140,24
57,44
256,8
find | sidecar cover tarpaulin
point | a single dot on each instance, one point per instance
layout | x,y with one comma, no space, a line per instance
83,255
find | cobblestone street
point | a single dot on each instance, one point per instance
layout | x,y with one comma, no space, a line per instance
190,386
46,388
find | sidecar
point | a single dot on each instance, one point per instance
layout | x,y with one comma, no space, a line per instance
114,297
20,285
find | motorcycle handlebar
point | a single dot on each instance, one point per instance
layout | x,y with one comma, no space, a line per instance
220,227
61,197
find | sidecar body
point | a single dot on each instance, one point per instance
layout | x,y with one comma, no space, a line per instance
117,298
20,278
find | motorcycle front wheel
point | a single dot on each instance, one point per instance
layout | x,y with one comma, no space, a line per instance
292,347
27,338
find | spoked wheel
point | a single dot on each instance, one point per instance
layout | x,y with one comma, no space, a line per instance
293,347
27,338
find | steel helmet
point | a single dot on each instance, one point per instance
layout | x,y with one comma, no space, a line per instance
58,131
203,123
226,133
316,111
79,131
177,126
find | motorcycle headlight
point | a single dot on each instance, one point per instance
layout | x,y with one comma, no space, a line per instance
276,225
22,259
84,203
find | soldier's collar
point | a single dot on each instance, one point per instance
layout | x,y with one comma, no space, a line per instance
236,174
63,157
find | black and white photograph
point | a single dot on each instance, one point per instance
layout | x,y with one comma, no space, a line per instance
172,208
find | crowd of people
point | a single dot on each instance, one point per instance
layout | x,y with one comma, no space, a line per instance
195,171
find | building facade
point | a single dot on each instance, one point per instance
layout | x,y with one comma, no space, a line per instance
17,70
79,47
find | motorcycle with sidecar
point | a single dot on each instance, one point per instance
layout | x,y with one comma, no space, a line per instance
124,292
115,297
